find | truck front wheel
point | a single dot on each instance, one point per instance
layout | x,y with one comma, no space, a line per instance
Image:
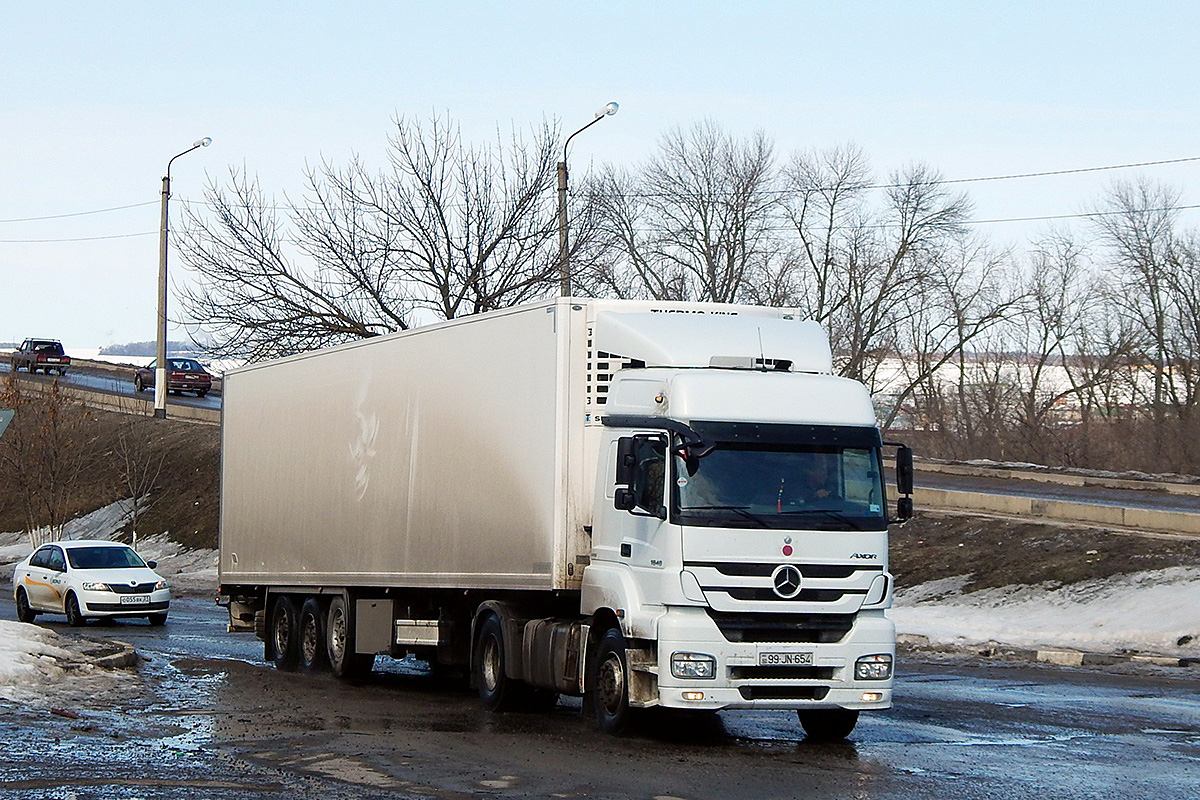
827,724
610,692
283,635
339,643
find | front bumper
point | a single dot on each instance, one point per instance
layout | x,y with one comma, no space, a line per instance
742,680
109,604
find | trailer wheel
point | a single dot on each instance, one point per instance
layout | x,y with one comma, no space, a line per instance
827,724
339,643
610,690
283,634
313,655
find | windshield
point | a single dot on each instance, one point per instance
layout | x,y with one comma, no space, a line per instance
782,485
103,558
185,364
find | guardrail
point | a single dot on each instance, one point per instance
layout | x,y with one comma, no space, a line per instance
1141,519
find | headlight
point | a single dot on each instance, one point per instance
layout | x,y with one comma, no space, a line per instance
93,586
693,665
873,668
160,585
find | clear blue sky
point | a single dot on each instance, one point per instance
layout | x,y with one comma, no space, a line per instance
96,97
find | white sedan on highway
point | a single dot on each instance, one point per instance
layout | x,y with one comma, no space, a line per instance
87,579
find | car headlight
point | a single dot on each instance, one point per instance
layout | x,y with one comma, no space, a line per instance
693,665
93,586
876,667
160,585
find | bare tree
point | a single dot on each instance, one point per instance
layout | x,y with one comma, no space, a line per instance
138,466
449,228
47,447
694,224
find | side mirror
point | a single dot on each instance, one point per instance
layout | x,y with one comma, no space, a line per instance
624,499
904,509
904,470
152,564
626,462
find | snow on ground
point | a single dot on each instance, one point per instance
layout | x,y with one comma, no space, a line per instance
1152,612
1155,612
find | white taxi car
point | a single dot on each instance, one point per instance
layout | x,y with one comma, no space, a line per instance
86,579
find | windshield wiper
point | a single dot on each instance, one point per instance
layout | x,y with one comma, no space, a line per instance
832,513
762,523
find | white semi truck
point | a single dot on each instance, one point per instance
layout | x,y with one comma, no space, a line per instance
643,503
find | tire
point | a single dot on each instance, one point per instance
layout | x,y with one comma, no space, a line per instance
827,724
497,691
24,612
201,393
339,643
283,634
313,655
158,619
75,617
137,384
610,688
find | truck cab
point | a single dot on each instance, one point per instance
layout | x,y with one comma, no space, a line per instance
740,538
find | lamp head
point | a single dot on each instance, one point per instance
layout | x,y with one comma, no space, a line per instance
607,111
205,142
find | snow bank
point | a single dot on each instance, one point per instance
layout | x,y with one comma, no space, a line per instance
1156,612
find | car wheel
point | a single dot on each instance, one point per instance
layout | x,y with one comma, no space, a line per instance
75,617
137,383
201,393
283,635
158,619
24,612
339,643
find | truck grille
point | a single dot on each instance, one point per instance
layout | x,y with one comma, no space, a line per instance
801,628
783,692
781,673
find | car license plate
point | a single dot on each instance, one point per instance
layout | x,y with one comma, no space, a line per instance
134,599
784,659
52,360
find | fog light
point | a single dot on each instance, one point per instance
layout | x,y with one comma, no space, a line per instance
872,697
693,665
693,695
876,667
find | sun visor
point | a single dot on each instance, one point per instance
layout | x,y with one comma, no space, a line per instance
711,340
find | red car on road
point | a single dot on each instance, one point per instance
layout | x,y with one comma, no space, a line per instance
183,375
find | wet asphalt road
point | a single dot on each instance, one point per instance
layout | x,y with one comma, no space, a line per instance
214,721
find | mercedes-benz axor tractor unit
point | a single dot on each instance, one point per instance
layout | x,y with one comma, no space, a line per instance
642,503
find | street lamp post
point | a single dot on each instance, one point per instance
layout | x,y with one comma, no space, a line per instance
160,350
564,267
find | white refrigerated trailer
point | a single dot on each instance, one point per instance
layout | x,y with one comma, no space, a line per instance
644,503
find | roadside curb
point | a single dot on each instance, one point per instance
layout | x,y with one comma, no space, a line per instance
1062,657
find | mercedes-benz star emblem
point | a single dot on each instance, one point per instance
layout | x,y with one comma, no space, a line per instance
786,581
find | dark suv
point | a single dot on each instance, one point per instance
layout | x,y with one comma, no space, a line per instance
41,354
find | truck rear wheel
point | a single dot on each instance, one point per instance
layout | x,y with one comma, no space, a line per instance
497,691
283,634
339,643
827,724
313,656
610,690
